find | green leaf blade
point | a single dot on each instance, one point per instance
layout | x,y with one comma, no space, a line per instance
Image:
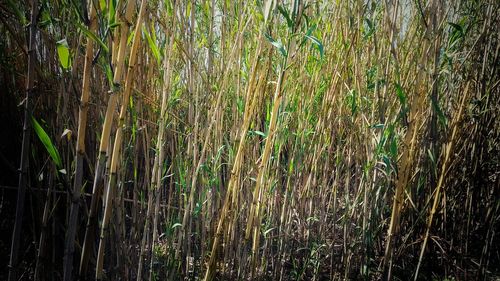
47,142
278,45
63,53
316,42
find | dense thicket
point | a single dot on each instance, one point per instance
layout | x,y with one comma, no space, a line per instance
249,140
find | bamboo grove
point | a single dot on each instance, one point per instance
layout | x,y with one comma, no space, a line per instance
250,140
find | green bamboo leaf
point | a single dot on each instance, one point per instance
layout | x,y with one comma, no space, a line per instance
433,162
130,37
269,230
63,53
316,42
45,139
108,72
457,27
114,25
152,45
440,114
92,36
401,95
168,7
277,44
102,5
457,33
352,101
286,15
394,148
403,101
313,219
295,8
111,12
176,225
262,134
308,33
377,126
368,28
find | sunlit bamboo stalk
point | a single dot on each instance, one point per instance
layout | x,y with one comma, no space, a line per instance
129,79
80,150
97,188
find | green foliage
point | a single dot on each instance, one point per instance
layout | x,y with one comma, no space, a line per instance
256,132
151,37
111,12
290,23
350,75
403,102
64,53
47,143
92,36
46,19
317,43
278,45
176,225
13,5
352,101
368,29
457,33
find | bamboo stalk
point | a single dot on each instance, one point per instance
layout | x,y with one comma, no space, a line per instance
25,148
118,142
251,102
255,212
157,175
43,235
448,147
80,151
104,144
405,165
221,178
